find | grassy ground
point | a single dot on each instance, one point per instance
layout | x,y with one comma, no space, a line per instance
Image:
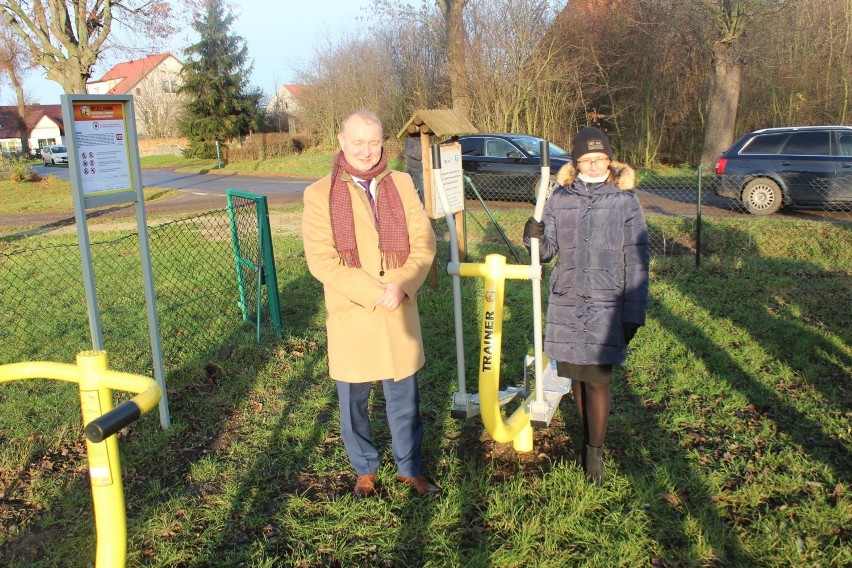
729,437
49,195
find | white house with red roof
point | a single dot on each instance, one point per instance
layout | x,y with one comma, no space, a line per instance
153,81
43,124
283,107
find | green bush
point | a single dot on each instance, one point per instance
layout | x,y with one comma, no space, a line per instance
201,149
16,169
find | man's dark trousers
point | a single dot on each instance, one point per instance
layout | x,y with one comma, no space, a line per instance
402,405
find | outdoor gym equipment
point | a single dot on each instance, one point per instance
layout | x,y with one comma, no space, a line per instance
102,421
538,409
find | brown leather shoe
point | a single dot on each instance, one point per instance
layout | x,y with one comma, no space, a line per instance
365,486
422,485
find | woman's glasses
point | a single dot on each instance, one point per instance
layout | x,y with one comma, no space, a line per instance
594,162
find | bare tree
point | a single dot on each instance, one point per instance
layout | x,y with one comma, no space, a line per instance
66,37
456,38
524,82
799,67
345,74
731,19
15,65
664,78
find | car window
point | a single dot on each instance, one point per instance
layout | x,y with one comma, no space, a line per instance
765,144
808,144
844,143
528,144
60,149
556,150
496,148
472,146
532,146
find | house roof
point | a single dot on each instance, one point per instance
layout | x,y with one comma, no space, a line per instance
440,122
295,90
9,119
131,72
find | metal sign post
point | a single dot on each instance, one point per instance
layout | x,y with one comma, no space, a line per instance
103,159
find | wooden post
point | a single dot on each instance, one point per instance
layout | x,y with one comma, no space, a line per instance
426,155
445,121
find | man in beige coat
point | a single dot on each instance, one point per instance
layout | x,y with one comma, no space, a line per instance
369,241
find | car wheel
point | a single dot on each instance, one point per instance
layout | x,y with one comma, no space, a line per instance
552,184
762,196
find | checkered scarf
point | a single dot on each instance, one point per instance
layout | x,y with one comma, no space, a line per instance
392,225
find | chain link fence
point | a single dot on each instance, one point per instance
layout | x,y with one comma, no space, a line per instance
195,276
689,214
195,282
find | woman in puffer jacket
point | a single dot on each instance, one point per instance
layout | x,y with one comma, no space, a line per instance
599,286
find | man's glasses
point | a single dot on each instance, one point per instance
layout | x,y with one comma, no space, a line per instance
593,162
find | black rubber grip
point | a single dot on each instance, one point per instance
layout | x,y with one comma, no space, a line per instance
436,156
105,426
545,153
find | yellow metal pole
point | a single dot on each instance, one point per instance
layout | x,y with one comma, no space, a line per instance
518,428
95,383
104,467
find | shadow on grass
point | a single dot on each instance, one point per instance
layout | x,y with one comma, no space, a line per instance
795,359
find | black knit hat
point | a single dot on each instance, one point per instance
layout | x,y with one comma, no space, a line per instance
588,140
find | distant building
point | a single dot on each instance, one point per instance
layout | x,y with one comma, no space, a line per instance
283,108
43,127
153,81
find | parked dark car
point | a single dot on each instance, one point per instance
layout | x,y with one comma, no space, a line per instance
508,166
774,167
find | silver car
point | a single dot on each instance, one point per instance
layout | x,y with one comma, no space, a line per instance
54,155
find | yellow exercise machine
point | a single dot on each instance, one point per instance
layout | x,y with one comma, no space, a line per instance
102,421
539,407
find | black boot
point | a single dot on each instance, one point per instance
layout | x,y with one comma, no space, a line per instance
593,464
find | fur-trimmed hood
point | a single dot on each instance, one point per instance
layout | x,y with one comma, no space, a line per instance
625,176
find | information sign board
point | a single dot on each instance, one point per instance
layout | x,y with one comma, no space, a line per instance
452,178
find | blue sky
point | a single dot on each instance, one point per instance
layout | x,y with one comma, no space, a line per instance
280,36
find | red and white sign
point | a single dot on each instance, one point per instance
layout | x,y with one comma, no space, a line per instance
100,130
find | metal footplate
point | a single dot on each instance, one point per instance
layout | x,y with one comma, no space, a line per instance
467,405
554,388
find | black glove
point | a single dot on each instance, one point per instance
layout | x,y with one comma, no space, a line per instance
533,229
630,330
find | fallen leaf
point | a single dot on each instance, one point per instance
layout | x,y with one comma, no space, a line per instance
670,498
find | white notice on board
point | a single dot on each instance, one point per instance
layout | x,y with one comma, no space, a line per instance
101,150
452,178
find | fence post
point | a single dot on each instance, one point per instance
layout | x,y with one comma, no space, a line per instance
698,223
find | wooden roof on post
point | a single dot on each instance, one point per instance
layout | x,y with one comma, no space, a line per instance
440,122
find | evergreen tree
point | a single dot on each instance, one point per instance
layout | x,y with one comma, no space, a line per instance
215,80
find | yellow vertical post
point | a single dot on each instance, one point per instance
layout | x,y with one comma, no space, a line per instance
104,466
518,429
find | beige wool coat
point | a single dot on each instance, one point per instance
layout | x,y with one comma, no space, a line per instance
366,343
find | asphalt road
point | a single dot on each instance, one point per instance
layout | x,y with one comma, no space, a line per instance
206,192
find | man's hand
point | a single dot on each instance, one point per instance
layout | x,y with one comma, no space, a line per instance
392,296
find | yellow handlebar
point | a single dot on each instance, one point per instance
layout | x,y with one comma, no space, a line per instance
91,373
102,421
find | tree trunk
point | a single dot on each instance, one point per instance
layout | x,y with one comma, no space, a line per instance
22,117
453,11
723,96
72,73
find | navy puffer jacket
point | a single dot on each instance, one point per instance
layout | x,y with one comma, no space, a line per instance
600,280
